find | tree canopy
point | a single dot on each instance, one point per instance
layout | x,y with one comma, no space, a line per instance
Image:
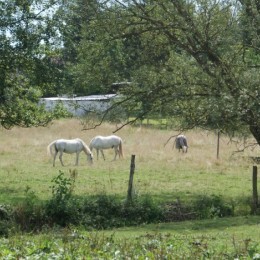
28,34
194,61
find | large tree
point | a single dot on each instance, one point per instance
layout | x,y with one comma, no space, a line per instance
196,61
77,15
28,63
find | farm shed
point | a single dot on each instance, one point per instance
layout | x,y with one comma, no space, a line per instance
80,106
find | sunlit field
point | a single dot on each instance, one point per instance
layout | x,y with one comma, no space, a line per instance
160,171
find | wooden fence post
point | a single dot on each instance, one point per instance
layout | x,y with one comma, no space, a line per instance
131,179
255,195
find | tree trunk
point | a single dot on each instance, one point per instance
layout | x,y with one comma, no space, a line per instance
255,130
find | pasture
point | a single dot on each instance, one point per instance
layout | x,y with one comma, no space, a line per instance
161,171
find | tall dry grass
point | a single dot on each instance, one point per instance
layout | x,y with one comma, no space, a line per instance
160,170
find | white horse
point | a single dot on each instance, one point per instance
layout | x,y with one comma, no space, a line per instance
181,143
69,146
106,142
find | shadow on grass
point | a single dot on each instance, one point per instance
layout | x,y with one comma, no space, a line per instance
218,224
189,197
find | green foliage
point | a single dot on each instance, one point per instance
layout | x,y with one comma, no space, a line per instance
60,111
107,212
20,106
6,222
77,244
27,33
62,209
101,212
142,210
212,207
201,72
29,214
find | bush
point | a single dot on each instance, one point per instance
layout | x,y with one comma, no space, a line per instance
60,111
107,211
142,210
101,211
29,214
212,206
63,209
6,222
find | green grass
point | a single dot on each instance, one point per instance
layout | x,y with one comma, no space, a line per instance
241,227
160,171
227,238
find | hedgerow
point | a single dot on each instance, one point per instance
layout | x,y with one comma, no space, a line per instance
101,211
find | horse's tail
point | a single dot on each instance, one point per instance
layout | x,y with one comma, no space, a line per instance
50,148
121,150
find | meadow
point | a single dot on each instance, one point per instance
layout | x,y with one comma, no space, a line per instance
161,172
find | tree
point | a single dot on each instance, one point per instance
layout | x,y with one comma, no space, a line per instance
77,19
198,61
27,33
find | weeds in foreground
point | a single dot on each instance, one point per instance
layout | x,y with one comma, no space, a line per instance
73,244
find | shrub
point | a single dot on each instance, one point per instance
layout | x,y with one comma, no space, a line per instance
29,214
60,111
62,208
6,222
142,210
107,211
101,211
212,206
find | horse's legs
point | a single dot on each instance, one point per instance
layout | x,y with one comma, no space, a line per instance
103,154
54,158
77,159
116,152
61,152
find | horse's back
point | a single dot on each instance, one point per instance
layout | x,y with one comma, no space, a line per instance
105,142
69,145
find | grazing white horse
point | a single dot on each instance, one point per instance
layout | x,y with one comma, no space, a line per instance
181,143
69,146
106,142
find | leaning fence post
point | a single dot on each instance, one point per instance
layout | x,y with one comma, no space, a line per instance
131,178
255,195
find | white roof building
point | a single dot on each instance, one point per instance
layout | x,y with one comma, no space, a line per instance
80,106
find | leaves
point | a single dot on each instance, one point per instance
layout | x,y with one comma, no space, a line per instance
188,60
24,30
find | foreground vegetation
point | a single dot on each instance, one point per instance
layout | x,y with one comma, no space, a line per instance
227,238
79,206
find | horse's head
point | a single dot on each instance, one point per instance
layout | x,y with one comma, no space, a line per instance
90,158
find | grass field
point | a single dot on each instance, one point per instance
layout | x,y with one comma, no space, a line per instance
161,171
